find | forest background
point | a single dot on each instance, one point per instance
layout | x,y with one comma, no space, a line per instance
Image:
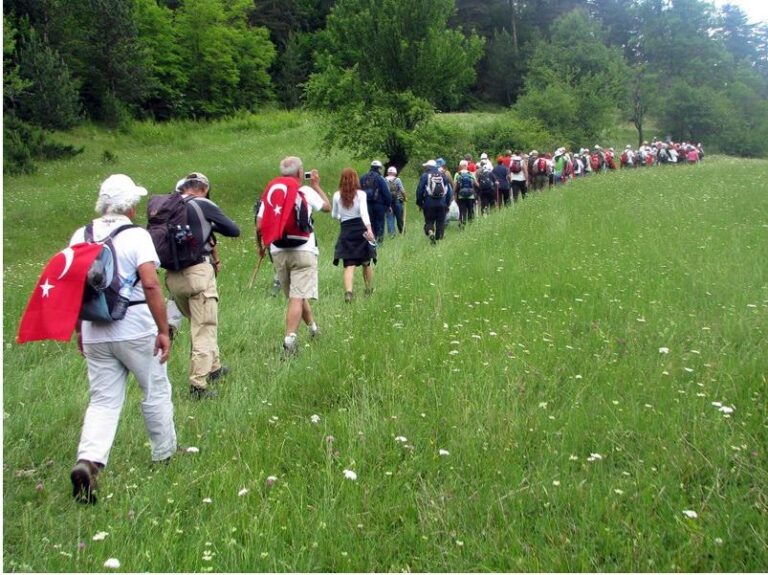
560,72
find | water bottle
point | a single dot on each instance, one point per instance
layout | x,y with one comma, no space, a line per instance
123,299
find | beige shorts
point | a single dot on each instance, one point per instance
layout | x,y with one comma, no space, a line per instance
297,271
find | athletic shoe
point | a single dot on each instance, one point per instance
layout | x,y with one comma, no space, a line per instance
348,297
314,330
217,374
290,346
83,478
432,238
198,393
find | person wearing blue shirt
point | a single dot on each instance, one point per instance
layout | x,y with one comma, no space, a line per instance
379,197
433,196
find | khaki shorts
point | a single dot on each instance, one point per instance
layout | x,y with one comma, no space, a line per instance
297,271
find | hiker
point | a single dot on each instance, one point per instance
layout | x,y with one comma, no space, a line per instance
445,172
194,289
627,158
539,173
296,265
487,185
597,160
518,176
379,198
466,193
610,159
471,166
501,173
560,161
433,197
354,246
137,344
397,211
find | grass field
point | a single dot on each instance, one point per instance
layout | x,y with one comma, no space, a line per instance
574,384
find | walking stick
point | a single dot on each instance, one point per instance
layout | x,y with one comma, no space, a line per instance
256,269
405,213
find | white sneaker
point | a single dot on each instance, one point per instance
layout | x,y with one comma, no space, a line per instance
290,346
314,330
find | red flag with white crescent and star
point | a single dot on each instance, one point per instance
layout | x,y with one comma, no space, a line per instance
278,198
54,306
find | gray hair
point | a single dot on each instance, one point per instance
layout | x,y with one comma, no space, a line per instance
290,166
119,205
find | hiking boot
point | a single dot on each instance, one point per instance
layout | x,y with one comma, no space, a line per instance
432,238
84,484
369,291
217,374
348,297
198,393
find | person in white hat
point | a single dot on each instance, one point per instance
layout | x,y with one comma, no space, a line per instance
396,214
433,197
137,344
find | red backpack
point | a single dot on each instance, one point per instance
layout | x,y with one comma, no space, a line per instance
516,166
542,166
594,162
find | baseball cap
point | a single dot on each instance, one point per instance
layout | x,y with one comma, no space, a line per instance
483,156
430,164
440,162
197,177
120,186
392,170
376,164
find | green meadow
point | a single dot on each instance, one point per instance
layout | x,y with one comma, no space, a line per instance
576,383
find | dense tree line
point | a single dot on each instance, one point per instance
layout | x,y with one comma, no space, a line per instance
380,69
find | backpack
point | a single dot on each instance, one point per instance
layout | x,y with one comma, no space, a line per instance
168,224
594,162
485,180
466,185
286,221
624,158
542,166
393,188
106,297
516,166
436,186
371,185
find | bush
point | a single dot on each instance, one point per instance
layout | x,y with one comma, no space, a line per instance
24,143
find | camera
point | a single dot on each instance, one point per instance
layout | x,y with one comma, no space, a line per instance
307,175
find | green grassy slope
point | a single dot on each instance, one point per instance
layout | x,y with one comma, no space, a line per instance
527,348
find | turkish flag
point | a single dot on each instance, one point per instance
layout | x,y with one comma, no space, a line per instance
278,199
54,306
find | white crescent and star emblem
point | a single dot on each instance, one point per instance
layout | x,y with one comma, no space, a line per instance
69,257
281,187
46,287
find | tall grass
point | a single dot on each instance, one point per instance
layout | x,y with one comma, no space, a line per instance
533,394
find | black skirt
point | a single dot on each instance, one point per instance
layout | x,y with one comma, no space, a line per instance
352,247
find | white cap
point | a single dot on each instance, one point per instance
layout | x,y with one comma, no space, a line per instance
179,184
120,186
430,164
392,170
483,156
376,164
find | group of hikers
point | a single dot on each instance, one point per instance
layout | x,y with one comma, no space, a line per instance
181,237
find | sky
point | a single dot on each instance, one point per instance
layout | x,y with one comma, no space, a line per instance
756,10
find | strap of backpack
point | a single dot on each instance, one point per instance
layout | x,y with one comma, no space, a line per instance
88,231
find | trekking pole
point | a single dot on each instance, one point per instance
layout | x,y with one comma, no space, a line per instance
256,269
405,213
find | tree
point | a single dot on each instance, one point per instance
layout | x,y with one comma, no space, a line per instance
382,70
226,59
50,99
575,83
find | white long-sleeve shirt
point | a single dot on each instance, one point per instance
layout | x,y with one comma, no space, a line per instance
359,208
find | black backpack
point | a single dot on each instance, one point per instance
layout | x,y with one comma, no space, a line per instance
485,180
102,298
371,186
436,186
167,223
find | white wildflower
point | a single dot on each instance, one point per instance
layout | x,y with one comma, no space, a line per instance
112,563
690,513
664,350
349,474
315,418
242,492
100,536
443,452
192,449
401,439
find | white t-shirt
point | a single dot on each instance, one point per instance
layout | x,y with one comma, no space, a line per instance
359,208
133,247
315,203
